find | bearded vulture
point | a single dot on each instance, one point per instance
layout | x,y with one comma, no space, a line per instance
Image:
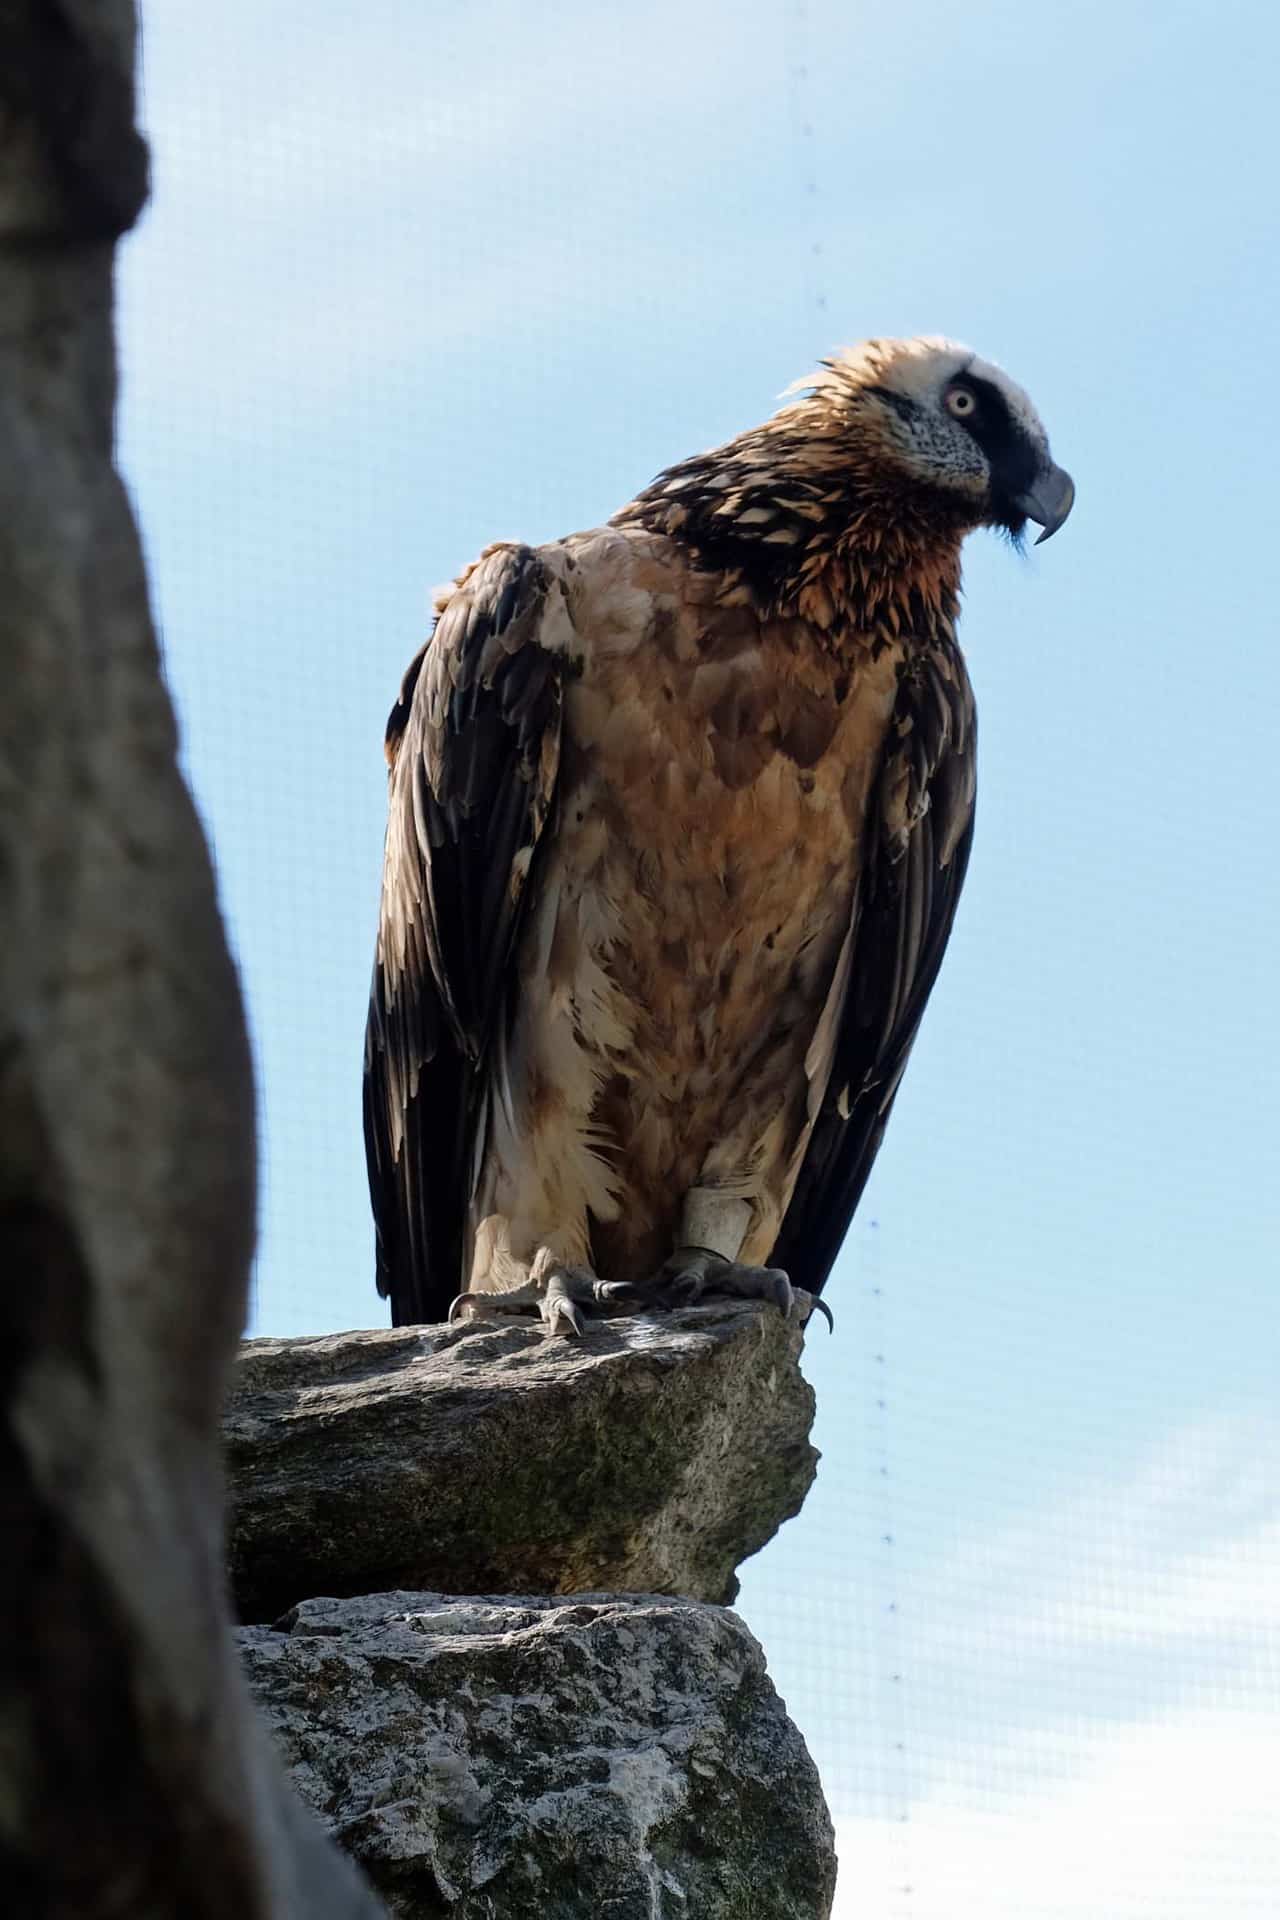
680,810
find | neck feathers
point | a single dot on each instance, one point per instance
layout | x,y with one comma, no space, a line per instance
836,546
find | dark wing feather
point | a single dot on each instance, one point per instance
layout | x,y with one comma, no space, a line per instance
474,747
918,834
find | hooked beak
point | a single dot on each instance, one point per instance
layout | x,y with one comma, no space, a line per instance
1048,500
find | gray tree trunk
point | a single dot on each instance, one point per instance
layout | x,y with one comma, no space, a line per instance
133,1779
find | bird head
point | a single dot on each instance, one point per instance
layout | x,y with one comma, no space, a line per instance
931,415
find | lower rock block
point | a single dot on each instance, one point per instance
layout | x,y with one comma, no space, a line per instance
568,1759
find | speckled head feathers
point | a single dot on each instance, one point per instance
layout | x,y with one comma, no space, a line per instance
940,418
877,466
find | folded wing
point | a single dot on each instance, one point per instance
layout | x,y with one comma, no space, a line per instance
918,832
474,751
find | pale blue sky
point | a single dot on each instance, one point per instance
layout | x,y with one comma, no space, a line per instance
445,276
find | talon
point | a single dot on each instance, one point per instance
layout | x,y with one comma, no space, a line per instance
562,1320
755,1283
516,1300
775,1285
693,1273
458,1308
685,1287
616,1293
816,1305
686,1275
559,1314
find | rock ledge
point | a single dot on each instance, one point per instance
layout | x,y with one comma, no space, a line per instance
653,1455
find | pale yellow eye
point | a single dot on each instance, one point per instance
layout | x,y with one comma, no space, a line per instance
961,403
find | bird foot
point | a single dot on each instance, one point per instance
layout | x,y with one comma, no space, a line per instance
691,1274
554,1296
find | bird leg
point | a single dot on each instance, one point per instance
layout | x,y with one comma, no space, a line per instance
713,1227
691,1274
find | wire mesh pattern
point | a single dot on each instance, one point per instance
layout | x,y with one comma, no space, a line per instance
439,276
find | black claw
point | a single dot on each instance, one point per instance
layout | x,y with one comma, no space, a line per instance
820,1306
616,1293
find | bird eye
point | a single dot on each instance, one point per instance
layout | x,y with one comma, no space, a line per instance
960,403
